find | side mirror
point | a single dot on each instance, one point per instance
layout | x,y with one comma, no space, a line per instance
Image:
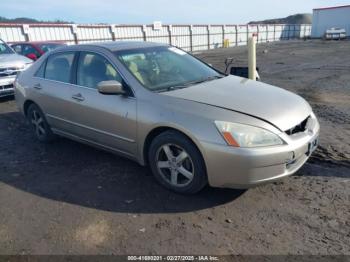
32,56
111,87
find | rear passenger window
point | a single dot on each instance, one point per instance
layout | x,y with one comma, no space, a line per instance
59,66
94,68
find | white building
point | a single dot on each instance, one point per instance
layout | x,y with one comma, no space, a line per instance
326,18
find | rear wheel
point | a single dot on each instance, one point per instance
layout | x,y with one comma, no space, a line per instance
176,163
41,128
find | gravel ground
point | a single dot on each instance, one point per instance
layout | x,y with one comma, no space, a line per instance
68,198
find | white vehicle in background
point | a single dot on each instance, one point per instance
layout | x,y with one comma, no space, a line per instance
10,65
335,34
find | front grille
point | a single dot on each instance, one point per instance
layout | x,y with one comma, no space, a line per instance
298,128
9,71
6,87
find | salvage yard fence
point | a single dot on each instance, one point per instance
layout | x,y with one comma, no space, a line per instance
188,37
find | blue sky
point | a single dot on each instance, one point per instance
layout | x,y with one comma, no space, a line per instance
175,11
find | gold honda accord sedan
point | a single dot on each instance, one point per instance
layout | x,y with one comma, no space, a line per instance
162,107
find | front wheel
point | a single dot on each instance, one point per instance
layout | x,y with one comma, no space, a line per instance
176,163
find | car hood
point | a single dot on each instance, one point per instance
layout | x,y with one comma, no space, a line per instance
13,60
277,106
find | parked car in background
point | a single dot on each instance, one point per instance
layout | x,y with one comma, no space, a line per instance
34,50
335,34
10,65
162,107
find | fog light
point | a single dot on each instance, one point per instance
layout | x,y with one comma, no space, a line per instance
290,157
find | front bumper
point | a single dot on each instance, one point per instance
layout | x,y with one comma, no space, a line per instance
6,86
231,167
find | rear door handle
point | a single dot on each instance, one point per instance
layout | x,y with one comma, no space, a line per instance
37,86
78,97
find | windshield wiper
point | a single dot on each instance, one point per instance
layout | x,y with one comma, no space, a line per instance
171,88
207,79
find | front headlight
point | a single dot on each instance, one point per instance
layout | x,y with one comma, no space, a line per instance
26,66
240,135
22,67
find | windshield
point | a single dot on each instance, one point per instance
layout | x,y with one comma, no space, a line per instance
48,47
5,49
165,68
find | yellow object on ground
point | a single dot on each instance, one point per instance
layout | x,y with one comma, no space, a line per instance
226,43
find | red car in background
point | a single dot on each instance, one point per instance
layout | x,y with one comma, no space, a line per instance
34,50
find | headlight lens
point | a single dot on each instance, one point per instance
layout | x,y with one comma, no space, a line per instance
240,135
26,66
22,66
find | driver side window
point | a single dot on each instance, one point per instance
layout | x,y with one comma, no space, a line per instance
94,68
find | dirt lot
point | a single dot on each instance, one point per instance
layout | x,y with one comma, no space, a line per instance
67,198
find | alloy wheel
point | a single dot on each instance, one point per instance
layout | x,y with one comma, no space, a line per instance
175,165
38,124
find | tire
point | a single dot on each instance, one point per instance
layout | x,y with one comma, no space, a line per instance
176,163
40,127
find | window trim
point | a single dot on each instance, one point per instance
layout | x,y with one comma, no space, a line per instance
74,75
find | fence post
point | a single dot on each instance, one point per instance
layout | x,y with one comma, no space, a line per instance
170,29
191,38
274,33
236,27
144,32
247,34
208,30
113,32
74,29
258,32
26,32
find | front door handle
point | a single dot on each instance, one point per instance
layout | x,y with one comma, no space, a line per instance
78,97
37,86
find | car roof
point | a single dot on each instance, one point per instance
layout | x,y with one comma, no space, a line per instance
47,42
122,45
38,42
